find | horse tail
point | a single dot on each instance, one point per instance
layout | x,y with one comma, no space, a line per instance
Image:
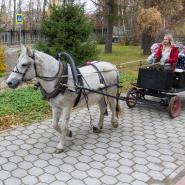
118,108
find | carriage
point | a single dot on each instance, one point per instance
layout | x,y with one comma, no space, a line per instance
161,84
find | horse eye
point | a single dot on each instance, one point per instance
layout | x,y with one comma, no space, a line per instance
24,65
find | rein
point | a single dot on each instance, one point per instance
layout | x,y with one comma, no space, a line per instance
45,78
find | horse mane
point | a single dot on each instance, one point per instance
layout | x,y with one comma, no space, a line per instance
44,56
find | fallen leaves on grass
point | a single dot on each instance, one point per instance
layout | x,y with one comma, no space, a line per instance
9,121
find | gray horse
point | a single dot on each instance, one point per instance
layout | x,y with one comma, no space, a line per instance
34,64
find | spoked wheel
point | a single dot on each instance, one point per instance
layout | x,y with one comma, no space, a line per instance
132,95
174,106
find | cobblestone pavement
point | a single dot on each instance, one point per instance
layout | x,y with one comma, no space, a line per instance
147,148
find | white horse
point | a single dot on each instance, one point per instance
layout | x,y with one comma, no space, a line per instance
34,64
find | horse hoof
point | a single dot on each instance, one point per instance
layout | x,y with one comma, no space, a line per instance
106,113
58,151
115,125
69,133
96,130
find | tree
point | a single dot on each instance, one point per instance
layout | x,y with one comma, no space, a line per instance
108,9
150,22
14,14
67,29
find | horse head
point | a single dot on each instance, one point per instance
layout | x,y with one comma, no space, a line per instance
23,70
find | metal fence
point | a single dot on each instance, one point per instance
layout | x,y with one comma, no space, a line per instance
13,37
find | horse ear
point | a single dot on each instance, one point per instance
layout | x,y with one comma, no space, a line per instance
29,52
23,48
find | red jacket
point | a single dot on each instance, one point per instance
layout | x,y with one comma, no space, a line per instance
173,54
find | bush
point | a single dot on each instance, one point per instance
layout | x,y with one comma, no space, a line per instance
2,60
67,29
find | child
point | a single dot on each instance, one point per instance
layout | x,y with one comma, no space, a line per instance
181,59
153,49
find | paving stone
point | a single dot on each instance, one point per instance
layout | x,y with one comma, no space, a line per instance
156,175
4,174
125,178
25,165
82,166
125,169
35,171
92,181
21,153
68,168
51,170
12,148
98,158
94,173
45,156
31,158
155,167
29,180
9,166
141,176
96,165
140,160
87,152
19,173
108,179
12,180
3,160
112,164
85,159
63,176
58,183
140,168
41,163
15,159
137,182
75,181
47,178
79,174
2,148
110,171
126,162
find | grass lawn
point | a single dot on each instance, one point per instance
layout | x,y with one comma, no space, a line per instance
121,54
21,106
24,105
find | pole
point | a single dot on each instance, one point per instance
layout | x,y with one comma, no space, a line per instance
20,34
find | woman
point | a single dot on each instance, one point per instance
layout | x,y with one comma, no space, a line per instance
167,54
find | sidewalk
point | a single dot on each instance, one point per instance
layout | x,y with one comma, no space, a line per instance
148,148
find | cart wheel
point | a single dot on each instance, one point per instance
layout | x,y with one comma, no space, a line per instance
132,94
174,106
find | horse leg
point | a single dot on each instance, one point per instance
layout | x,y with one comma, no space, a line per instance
64,129
112,105
56,113
103,109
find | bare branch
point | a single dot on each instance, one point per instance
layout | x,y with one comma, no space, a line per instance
98,3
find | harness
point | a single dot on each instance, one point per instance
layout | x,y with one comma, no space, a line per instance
59,87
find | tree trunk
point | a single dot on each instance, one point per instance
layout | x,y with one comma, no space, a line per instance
147,41
14,14
110,23
44,8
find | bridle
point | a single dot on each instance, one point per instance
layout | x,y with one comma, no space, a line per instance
45,78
